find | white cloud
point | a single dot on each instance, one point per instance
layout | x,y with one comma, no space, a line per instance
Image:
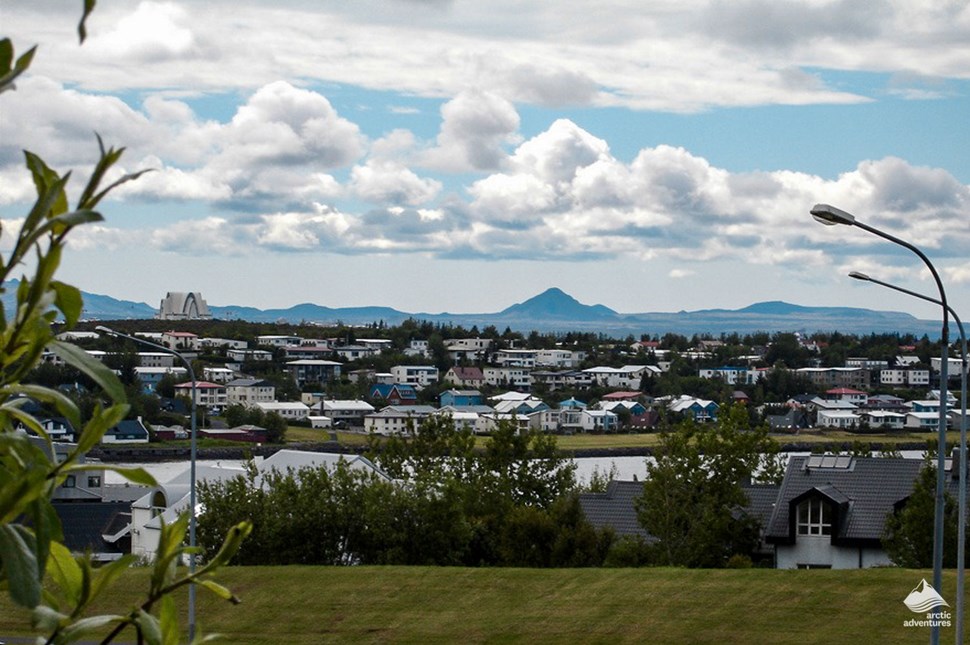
475,126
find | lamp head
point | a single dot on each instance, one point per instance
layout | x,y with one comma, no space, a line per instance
830,215
859,276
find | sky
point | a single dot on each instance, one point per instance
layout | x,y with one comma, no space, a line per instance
463,156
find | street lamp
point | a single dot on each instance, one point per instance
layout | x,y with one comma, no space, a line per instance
188,366
962,495
830,216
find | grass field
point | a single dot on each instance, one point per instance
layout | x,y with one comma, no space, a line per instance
304,605
296,434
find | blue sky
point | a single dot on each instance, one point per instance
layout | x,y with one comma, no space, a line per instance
436,155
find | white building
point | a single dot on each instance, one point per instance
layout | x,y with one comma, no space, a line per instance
417,375
290,410
183,306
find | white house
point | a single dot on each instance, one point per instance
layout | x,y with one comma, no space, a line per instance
289,410
249,391
417,375
831,510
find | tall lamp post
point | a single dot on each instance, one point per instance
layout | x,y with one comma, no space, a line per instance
830,216
188,366
962,495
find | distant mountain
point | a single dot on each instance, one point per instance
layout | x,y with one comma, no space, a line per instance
556,311
555,304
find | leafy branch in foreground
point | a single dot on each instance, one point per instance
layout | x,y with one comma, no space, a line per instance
31,538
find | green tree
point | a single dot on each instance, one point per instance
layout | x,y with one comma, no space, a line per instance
693,500
36,570
908,535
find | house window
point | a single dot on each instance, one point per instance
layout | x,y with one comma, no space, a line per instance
814,517
69,482
94,481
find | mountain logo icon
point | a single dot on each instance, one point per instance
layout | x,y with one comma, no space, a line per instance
924,598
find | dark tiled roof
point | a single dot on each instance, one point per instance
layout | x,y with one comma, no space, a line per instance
85,522
614,508
866,490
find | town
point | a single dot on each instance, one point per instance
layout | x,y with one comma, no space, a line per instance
261,389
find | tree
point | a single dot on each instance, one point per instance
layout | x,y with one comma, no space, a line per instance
908,536
31,547
693,500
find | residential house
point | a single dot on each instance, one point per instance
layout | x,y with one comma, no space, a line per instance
520,407
464,377
857,398
831,510
700,410
733,375
905,377
126,431
459,398
854,377
180,340
248,355
218,374
289,410
206,393
99,529
307,370
248,391
356,352
155,359
271,340
394,394
514,377
559,358
307,352
247,433
515,358
346,412
627,377
58,429
884,419
842,419
150,377
395,419
634,408
558,380
419,376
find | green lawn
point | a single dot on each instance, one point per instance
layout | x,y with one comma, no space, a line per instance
297,434
298,605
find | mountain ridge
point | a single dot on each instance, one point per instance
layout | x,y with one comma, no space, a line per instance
554,310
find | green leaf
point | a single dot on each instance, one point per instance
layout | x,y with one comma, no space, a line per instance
10,75
150,628
101,422
46,619
69,301
104,377
168,621
65,572
219,590
6,55
86,626
20,565
82,31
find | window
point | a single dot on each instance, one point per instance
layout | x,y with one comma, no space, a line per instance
94,481
814,517
69,482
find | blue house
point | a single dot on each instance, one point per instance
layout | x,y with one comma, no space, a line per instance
459,398
394,393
